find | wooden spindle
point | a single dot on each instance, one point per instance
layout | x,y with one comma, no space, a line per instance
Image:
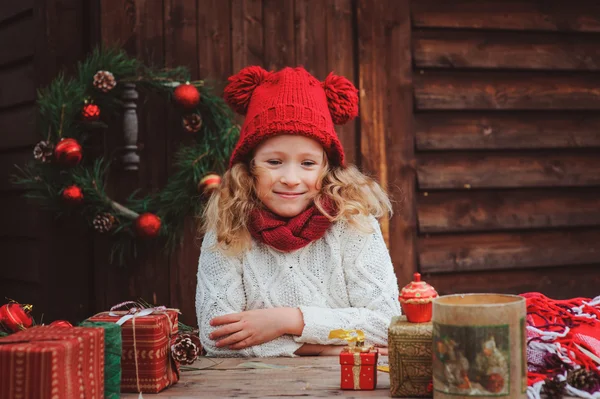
130,157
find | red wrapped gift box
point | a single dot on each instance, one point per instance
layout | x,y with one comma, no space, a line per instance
148,368
52,362
359,368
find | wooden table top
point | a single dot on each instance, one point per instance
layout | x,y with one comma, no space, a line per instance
306,377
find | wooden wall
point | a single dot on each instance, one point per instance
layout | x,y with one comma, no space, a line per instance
45,262
507,134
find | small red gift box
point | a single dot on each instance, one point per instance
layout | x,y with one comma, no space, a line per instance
52,362
359,368
146,362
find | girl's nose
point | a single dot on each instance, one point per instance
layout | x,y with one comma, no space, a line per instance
290,177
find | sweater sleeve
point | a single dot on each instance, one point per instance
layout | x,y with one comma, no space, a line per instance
372,290
220,291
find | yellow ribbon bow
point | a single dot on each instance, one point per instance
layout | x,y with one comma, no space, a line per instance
355,338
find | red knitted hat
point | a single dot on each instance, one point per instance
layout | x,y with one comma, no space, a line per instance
290,101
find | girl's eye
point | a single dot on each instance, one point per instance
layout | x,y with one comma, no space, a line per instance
273,162
308,163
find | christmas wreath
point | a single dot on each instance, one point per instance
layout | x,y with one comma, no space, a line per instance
65,177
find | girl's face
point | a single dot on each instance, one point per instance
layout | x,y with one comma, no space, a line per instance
288,170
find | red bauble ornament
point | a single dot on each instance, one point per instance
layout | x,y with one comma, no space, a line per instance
72,195
15,317
68,152
186,95
147,225
90,112
61,323
209,183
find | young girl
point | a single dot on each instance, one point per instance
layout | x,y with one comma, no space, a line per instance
292,247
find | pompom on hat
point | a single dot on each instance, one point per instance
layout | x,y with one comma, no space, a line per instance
290,101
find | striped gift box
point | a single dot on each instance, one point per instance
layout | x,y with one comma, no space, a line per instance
52,362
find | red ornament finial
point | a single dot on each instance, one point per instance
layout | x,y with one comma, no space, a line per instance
417,277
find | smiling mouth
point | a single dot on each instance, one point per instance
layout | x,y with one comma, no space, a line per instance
288,195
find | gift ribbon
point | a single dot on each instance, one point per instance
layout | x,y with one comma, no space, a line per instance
139,311
353,337
356,370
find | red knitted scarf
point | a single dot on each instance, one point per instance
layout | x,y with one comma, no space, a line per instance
289,234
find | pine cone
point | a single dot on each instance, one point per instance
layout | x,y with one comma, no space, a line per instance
553,388
104,81
43,151
553,363
586,380
192,123
186,348
103,223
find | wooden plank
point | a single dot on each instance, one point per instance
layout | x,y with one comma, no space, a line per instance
551,15
340,59
17,40
558,282
118,20
60,42
505,90
386,108
183,267
180,35
456,211
18,127
279,34
10,9
486,130
495,170
247,39
311,44
501,251
324,44
17,85
440,48
21,218
68,278
27,252
182,264
214,39
150,32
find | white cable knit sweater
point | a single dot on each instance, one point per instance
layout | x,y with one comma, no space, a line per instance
343,280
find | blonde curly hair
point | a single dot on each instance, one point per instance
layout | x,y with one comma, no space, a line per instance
355,195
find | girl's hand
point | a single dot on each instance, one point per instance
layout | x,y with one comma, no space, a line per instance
255,327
